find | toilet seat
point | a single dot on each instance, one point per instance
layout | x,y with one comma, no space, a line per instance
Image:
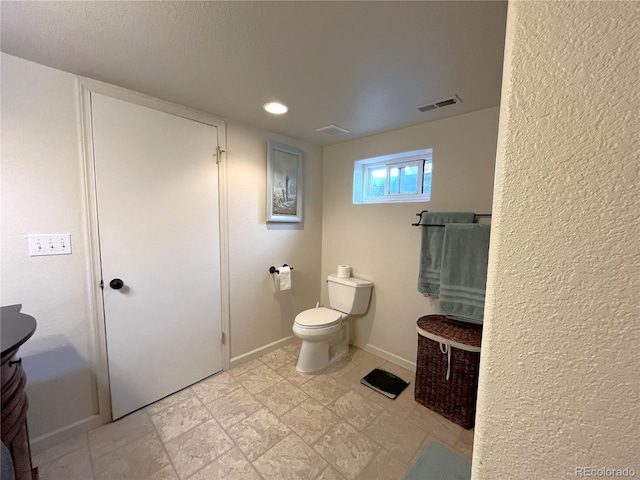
318,318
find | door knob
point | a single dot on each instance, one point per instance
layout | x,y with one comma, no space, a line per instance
116,284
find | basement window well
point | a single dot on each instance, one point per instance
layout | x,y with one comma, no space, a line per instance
399,177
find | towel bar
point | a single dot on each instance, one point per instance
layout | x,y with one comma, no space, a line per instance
419,224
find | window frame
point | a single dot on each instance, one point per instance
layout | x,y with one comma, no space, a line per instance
362,177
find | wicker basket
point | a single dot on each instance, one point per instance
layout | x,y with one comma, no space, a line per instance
447,367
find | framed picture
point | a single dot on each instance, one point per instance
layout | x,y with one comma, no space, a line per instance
284,183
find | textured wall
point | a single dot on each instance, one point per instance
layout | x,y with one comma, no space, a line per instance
559,384
378,241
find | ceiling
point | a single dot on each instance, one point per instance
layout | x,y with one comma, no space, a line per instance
365,66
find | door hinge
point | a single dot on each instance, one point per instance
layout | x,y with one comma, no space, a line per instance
218,154
101,284
222,338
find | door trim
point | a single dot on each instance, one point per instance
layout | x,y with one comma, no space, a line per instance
99,355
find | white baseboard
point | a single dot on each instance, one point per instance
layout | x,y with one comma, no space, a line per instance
258,352
401,362
48,440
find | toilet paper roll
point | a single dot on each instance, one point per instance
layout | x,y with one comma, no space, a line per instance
284,275
344,271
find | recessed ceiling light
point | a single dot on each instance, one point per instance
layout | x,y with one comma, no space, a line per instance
276,108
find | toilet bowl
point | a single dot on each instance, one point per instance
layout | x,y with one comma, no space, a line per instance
325,338
325,331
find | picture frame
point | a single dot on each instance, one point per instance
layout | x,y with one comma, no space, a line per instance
285,193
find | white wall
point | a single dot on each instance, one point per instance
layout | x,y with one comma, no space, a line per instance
559,384
42,192
378,241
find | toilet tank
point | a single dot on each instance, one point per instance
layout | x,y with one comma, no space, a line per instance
349,295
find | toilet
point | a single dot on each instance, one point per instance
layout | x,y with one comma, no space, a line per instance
324,334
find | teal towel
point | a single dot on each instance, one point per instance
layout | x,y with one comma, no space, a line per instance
431,248
465,254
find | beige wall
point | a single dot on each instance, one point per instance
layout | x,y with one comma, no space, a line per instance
378,241
42,192
260,314
559,384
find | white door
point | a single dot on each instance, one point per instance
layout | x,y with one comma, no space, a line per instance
157,199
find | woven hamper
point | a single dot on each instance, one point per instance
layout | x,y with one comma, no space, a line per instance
447,367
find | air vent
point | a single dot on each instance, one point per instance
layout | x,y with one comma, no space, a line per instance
426,108
440,103
444,103
332,130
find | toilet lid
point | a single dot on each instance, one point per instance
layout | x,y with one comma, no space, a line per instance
318,317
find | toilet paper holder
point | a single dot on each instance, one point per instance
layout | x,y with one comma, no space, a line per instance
273,269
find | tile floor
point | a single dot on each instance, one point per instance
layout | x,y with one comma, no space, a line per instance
262,421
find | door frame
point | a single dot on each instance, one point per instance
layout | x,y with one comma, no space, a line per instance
100,363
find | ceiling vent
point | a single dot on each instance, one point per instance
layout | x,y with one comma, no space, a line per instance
445,102
332,130
426,108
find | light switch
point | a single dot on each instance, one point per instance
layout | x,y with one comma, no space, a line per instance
49,244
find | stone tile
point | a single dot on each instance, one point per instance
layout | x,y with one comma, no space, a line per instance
362,434
384,466
428,439
464,446
258,433
401,406
279,358
339,368
180,418
167,473
351,378
215,387
60,450
330,474
365,359
236,406
324,389
282,397
230,466
290,459
397,436
70,466
114,435
346,449
245,367
310,420
169,401
435,425
140,459
293,348
259,378
355,409
290,374
192,450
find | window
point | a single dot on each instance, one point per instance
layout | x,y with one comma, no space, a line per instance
402,177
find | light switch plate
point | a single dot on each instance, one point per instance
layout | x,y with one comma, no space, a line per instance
49,244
